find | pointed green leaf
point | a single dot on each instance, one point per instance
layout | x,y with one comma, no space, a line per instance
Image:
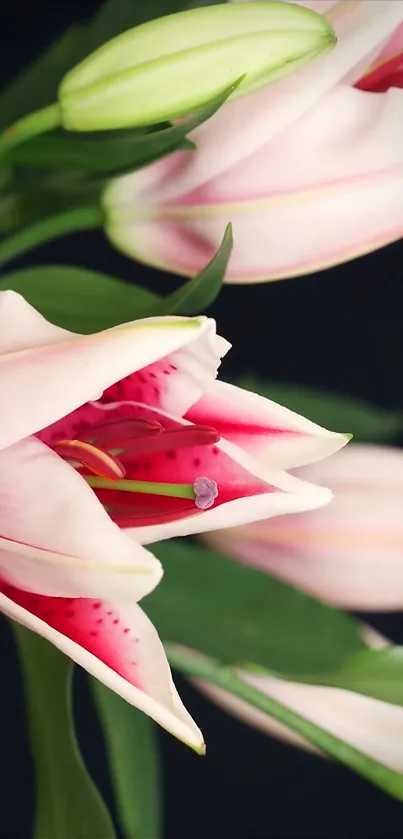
376,673
197,294
212,671
114,152
131,747
235,613
77,298
339,413
67,803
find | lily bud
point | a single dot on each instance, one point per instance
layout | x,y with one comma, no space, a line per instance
168,67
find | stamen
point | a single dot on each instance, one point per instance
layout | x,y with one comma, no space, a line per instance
101,463
182,438
206,492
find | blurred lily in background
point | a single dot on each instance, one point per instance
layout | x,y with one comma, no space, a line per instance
309,170
370,725
349,554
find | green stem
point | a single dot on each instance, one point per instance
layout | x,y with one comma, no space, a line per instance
210,670
67,803
39,122
145,487
83,218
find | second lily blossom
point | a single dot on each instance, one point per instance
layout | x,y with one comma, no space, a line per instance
119,439
349,554
309,170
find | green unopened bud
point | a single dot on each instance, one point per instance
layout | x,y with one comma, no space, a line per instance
168,67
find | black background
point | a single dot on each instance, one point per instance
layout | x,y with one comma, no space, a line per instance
340,330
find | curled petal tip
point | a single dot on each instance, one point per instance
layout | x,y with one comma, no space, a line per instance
347,437
200,750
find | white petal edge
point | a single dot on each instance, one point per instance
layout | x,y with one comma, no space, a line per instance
372,726
55,537
174,718
309,443
43,383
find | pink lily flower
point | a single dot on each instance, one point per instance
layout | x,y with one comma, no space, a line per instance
309,170
113,440
370,725
349,554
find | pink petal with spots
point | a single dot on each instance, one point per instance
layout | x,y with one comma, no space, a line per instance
263,428
55,537
248,488
114,642
46,373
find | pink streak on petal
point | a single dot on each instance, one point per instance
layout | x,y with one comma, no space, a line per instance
92,624
236,423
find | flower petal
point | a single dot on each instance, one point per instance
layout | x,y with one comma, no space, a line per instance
34,374
114,642
258,117
387,68
349,554
340,224
55,536
263,428
372,726
248,489
175,382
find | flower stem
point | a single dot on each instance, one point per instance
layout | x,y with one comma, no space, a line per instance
39,122
145,487
83,218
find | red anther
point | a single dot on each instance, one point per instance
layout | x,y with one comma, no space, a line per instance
118,434
184,437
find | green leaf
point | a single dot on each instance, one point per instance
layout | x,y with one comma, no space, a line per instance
67,802
37,86
44,230
376,673
77,298
227,679
210,603
339,413
131,747
197,294
115,152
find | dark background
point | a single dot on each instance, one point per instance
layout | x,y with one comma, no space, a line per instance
338,330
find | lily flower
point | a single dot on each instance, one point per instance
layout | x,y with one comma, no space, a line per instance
120,438
309,170
349,554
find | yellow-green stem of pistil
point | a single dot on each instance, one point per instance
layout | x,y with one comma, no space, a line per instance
145,487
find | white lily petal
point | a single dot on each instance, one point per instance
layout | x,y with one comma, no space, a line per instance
119,646
349,554
263,428
372,726
47,380
55,537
